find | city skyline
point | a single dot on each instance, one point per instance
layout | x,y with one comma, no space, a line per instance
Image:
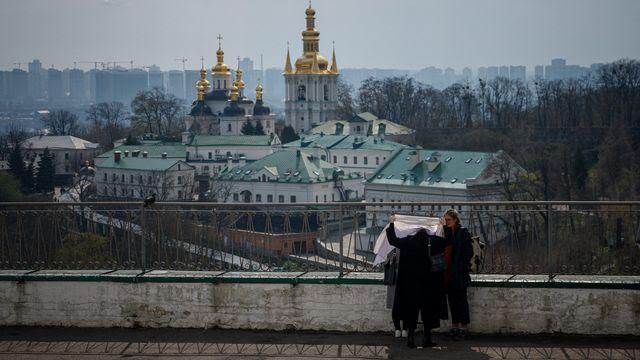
382,35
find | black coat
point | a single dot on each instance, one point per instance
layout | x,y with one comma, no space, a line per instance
417,287
461,254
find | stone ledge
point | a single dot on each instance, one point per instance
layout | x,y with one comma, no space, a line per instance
352,278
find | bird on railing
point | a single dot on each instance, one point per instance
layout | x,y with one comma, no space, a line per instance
149,200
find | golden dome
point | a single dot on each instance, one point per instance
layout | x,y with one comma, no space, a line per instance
202,85
239,82
311,62
259,92
234,93
220,68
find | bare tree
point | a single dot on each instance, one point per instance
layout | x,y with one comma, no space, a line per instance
107,122
62,122
156,112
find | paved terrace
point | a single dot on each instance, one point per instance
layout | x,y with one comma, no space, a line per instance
72,343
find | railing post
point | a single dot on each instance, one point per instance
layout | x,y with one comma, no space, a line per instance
340,239
143,241
549,225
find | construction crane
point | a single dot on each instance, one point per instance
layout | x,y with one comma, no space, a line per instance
183,60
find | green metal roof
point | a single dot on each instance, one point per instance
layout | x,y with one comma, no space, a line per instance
230,140
436,168
287,166
332,142
173,150
139,163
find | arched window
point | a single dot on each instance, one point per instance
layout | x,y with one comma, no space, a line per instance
326,92
302,92
264,177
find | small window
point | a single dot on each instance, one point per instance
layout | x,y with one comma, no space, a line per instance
335,159
281,198
140,179
270,198
131,178
131,193
333,197
210,155
229,127
179,194
377,160
235,197
293,198
179,180
113,177
325,197
150,180
122,177
66,156
178,167
366,160
316,198
344,160
105,177
258,198
355,160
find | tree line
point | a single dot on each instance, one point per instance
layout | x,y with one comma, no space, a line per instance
578,139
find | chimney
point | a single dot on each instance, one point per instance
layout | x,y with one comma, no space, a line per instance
229,162
339,128
116,156
381,129
414,158
243,161
135,153
164,155
144,154
126,153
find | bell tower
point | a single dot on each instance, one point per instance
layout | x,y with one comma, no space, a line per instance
310,88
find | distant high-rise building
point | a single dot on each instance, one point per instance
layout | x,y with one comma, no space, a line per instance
126,84
503,71
176,83
36,88
273,86
55,89
18,85
482,73
467,74
191,77
492,72
539,72
558,62
103,86
4,84
76,84
156,77
518,73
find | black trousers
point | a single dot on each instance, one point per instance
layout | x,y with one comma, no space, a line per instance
459,305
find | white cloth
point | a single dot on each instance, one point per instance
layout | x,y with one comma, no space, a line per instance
405,225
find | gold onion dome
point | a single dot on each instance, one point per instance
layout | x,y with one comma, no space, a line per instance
311,62
202,85
220,67
239,82
259,92
234,93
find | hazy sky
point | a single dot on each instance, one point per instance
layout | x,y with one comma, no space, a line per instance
407,34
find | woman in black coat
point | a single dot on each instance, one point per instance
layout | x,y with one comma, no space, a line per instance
418,290
457,278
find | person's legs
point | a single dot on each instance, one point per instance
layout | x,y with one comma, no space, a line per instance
411,322
459,306
430,320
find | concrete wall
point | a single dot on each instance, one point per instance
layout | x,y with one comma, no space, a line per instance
308,306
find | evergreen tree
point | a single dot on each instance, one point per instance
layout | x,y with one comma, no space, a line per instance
29,179
259,130
16,164
9,187
248,128
289,135
46,172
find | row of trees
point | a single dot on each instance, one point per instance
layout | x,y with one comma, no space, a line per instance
578,138
152,111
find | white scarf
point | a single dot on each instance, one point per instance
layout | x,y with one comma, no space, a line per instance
405,225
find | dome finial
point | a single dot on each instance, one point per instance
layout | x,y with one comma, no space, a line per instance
220,67
334,65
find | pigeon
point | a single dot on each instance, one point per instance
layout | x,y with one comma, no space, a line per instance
149,200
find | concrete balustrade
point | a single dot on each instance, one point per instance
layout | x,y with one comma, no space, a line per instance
306,301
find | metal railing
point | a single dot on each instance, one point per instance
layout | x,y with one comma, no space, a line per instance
520,237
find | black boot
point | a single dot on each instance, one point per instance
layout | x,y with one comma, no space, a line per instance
410,339
426,339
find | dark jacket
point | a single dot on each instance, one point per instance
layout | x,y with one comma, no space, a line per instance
417,286
461,254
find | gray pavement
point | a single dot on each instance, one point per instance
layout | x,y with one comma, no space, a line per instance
75,343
